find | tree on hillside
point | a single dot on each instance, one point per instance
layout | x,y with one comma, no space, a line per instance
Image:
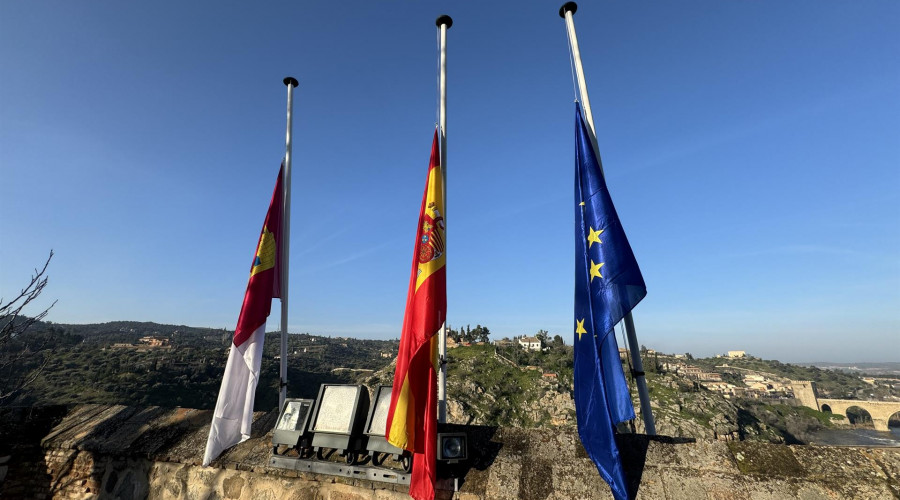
558,342
481,335
477,334
16,353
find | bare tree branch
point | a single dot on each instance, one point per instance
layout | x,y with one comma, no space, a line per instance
11,326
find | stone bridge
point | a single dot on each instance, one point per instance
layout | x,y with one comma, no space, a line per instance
880,411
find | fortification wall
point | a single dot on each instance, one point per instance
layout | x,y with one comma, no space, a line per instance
805,392
90,451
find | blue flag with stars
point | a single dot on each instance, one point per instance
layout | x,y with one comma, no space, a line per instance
608,284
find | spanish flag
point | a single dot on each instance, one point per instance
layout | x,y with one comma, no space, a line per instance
234,407
412,416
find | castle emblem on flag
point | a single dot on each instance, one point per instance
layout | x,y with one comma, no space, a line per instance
432,244
265,253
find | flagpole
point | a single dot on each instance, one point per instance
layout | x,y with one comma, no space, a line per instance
567,12
443,24
290,82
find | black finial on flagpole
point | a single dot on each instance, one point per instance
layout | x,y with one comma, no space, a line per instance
290,80
444,19
568,7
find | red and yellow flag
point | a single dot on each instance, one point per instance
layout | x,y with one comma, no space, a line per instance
265,272
233,415
412,416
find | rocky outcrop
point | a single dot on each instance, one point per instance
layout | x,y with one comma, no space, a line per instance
684,410
92,451
553,408
492,390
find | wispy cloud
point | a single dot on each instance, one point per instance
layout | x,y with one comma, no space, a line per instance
798,250
307,249
348,258
739,131
505,213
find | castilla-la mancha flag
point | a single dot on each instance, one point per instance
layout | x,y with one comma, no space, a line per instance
234,408
412,416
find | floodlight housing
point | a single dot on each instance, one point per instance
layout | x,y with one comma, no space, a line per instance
377,422
339,417
293,423
453,447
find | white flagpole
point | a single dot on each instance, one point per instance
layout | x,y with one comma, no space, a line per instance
443,23
566,12
290,82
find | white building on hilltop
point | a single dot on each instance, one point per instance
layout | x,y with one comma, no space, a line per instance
530,343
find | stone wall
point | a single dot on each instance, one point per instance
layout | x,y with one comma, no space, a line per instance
91,451
805,392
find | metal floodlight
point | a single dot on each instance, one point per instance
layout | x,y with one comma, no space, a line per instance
292,428
376,423
338,419
452,447
375,429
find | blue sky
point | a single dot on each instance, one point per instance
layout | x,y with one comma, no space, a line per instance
752,150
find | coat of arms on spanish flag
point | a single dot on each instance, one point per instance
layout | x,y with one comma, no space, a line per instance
412,416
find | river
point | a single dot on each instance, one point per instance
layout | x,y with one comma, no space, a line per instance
857,437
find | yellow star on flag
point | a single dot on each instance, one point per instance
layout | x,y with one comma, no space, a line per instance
594,237
595,270
579,328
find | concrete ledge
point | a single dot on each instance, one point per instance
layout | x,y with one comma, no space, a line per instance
87,451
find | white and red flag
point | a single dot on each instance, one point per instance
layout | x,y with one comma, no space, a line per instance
234,408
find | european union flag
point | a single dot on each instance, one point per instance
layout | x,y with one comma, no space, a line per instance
608,284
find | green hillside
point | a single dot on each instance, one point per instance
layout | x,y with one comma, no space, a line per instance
487,385
83,364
